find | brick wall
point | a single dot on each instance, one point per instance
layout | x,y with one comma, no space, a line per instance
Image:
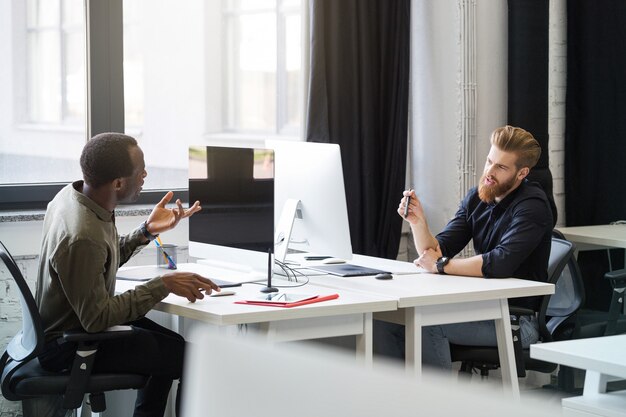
557,82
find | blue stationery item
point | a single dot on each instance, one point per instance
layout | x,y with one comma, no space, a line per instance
170,262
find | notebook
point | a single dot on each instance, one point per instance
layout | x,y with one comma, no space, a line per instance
347,270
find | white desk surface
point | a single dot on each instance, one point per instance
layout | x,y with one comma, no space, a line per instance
611,235
428,299
604,359
223,311
434,289
606,355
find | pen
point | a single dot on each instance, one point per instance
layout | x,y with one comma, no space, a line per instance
170,262
408,202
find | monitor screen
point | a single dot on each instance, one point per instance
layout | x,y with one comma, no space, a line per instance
312,173
235,187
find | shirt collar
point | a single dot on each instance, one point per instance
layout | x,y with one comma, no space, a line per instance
102,213
506,201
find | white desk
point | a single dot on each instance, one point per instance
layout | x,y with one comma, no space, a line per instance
604,358
350,314
429,299
608,235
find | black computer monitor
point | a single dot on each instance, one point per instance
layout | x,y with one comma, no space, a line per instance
235,187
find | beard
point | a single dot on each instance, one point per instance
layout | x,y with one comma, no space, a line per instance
488,193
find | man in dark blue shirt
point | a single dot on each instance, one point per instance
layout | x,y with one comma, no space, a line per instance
509,222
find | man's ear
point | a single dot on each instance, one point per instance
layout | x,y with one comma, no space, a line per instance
117,184
523,173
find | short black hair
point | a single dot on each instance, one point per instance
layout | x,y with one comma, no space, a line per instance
106,157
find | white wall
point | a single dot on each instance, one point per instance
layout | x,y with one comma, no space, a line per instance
436,116
436,94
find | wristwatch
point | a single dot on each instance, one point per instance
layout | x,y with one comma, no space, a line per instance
144,231
441,263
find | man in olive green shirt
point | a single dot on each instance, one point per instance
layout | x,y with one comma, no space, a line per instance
80,255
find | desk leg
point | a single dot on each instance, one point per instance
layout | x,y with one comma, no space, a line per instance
413,341
595,383
506,351
364,342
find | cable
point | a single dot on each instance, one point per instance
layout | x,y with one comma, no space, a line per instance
291,274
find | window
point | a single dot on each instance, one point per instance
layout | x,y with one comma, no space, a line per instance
192,71
55,61
43,129
215,69
263,66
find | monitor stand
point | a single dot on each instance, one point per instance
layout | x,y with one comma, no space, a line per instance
291,211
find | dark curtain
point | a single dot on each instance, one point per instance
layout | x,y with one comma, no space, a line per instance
595,128
528,81
358,98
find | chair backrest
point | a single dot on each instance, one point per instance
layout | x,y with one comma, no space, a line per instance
569,291
30,340
559,303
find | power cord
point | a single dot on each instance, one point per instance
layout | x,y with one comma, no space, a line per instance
291,274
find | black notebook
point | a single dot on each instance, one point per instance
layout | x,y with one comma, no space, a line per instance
347,270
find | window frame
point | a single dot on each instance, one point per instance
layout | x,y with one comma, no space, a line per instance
105,101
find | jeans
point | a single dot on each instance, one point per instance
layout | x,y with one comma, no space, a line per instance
153,350
389,339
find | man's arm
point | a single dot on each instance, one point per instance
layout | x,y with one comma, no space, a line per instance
161,219
417,219
471,266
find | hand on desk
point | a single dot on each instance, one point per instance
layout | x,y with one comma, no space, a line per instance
163,219
188,285
428,259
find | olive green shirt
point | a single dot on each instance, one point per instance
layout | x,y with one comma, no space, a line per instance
81,252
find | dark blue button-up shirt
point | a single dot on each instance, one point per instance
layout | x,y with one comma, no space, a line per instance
513,236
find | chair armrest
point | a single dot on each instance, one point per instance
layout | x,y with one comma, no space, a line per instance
83,361
521,311
112,332
617,278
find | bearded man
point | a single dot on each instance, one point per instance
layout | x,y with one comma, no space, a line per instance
509,221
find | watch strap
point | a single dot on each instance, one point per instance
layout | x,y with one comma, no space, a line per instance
144,231
441,263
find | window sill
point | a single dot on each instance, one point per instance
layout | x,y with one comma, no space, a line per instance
9,216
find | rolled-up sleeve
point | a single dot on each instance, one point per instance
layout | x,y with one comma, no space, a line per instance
520,237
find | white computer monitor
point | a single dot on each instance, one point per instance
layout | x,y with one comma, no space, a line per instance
235,187
311,173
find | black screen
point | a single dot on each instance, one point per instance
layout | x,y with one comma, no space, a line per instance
235,187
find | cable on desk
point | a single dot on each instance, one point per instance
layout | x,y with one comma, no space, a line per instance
291,274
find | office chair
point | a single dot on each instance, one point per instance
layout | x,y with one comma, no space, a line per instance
556,318
50,393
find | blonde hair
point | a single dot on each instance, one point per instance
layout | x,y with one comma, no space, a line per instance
518,141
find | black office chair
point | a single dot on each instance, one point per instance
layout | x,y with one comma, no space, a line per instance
556,318
42,392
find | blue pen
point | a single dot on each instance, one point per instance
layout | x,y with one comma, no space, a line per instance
170,261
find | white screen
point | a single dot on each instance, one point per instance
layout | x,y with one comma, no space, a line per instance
312,173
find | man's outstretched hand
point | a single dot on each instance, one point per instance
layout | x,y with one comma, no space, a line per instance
163,219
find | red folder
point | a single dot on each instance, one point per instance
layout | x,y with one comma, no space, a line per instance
288,305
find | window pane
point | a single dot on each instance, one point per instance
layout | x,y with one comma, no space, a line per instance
197,69
295,91
42,131
73,13
43,13
253,82
165,67
44,70
75,77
